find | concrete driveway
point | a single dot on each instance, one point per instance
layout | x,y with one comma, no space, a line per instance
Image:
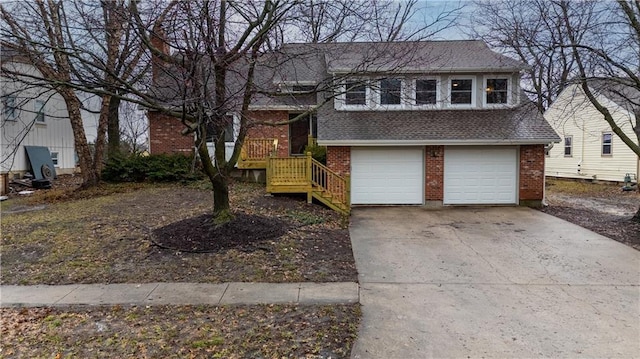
498,282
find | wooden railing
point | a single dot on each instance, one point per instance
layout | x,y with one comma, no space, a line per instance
330,182
255,152
306,175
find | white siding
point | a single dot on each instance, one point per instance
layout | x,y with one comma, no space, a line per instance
55,133
573,115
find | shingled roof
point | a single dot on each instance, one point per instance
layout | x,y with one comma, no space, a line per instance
518,125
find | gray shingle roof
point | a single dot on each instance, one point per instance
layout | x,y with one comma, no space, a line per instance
418,56
522,124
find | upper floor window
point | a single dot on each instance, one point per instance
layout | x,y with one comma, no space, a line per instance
390,91
302,88
568,146
496,91
39,110
10,108
607,143
356,93
462,92
426,92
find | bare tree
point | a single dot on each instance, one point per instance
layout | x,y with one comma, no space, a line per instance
614,57
78,46
531,31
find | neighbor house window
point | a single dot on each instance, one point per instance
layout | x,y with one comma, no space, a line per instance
496,91
356,93
461,92
426,92
10,108
607,142
390,90
568,146
54,158
39,110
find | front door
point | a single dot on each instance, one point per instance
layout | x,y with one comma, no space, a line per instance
299,132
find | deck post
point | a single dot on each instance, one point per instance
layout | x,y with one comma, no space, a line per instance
348,189
309,177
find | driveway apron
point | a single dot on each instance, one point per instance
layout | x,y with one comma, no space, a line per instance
491,282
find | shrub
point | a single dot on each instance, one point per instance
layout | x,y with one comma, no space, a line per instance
319,153
153,168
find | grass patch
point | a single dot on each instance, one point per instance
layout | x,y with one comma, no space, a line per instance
261,331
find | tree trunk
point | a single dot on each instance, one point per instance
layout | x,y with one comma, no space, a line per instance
218,178
87,169
113,129
636,218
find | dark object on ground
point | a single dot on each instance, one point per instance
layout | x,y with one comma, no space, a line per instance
41,162
200,235
41,184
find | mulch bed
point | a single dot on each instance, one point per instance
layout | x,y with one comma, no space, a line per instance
199,234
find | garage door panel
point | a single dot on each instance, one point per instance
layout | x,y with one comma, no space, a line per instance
387,175
480,175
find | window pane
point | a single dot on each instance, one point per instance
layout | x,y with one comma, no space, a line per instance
496,90
390,91
567,146
39,108
607,139
356,93
54,158
426,92
461,91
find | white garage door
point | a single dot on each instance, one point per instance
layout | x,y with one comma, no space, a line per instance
480,175
387,175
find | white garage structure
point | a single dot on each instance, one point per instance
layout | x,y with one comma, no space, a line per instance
387,175
480,175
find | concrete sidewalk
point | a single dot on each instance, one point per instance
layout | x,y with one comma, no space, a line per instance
178,294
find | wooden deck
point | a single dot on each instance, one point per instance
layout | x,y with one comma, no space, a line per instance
301,174
255,152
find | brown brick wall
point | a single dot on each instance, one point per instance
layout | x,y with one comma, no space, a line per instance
531,172
434,173
165,135
339,159
264,131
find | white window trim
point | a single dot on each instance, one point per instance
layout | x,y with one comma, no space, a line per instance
412,94
341,99
376,93
610,154
474,91
509,91
564,146
37,110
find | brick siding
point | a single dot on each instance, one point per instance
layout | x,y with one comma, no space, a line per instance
165,135
264,131
531,172
339,159
434,173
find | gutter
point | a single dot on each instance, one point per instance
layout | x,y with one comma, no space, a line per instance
434,142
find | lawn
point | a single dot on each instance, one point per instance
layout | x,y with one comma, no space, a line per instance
162,233
136,233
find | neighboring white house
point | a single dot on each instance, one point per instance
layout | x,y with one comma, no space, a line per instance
589,149
33,115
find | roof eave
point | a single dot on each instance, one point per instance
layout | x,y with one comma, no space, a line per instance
539,141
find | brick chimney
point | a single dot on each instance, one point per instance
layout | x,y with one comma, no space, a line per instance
159,42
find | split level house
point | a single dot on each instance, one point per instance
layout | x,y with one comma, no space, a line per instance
405,123
589,148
